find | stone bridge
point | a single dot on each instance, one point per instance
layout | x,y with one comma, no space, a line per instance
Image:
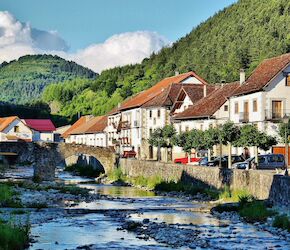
46,156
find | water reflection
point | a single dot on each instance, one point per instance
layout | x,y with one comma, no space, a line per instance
69,233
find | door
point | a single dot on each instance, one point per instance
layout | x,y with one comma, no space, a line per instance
276,109
246,111
150,152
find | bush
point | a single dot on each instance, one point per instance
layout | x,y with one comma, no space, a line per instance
116,175
282,221
84,170
255,211
8,197
14,237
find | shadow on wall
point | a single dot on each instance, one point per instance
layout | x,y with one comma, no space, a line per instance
280,191
83,159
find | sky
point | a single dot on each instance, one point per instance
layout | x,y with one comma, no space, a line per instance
98,34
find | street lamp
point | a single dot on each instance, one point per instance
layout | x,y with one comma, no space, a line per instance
285,121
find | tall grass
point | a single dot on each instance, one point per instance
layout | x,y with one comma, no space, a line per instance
116,175
14,237
282,221
8,197
227,194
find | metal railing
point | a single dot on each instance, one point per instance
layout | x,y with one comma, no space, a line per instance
244,116
276,115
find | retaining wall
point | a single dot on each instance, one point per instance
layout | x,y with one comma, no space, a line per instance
262,184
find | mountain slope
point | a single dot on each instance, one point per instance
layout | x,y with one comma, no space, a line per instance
239,36
23,80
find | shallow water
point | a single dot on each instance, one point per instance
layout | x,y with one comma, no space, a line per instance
97,228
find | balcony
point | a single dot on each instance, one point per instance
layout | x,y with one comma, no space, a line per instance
244,117
276,115
125,125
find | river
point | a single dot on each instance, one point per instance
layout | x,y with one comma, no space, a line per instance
102,228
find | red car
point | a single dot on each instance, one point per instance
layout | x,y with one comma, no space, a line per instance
185,160
129,154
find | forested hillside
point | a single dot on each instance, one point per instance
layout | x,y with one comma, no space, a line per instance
240,36
23,80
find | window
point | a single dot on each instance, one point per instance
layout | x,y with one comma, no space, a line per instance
158,113
154,121
150,113
236,108
288,80
255,105
150,131
16,129
226,108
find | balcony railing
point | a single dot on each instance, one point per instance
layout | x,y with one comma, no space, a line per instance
244,117
276,115
125,125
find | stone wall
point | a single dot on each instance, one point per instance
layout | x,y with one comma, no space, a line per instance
260,183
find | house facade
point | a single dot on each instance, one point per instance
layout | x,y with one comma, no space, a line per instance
264,98
31,130
133,120
88,131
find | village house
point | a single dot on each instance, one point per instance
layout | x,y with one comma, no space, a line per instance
15,129
264,98
209,111
128,123
160,108
88,130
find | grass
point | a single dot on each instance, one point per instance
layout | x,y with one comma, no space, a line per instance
74,190
282,221
248,207
14,237
156,183
84,170
8,197
229,195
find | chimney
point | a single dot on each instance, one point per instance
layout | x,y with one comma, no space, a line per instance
242,76
119,105
223,82
204,90
176,73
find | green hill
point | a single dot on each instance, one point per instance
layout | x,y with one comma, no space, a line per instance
24,80
239,36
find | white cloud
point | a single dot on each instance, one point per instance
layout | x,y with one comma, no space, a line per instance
18,39
121,49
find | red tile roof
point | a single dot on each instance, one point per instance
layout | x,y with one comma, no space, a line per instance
94,125
42,125
263,74
143,97
208,105
6,121
77,124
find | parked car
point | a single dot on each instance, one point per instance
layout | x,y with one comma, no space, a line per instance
224,161
129,154
244,164
184,160
267,161
204,161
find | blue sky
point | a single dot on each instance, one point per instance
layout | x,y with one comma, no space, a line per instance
98,34
83,22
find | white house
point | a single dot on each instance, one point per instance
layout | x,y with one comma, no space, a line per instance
14,129
88,131
264,98
131,132
208,112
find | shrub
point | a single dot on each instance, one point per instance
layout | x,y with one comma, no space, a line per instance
282,221
116,175
14,237
8,197
84,170
255,211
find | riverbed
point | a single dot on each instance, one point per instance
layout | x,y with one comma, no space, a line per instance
166,223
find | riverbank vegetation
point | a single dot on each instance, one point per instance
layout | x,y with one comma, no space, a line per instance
8,197
156,183
14,237
84,170
282,221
